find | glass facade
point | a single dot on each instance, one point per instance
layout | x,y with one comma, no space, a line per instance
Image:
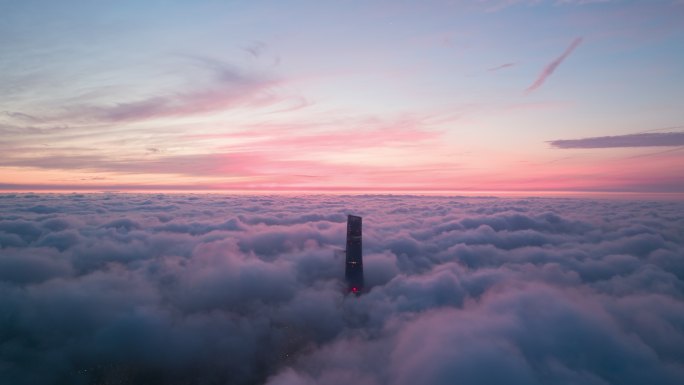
354,255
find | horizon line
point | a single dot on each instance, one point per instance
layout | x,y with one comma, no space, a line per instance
373,192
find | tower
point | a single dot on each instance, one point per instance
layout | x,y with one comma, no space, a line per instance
353,272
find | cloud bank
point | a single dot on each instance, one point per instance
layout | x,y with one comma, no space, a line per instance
193,289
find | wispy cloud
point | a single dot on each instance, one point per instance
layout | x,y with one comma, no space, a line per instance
216,164
21,116
580,2
551,67
500,67
499,5
231,88
402,133
273,154
217,85
255,49
656,139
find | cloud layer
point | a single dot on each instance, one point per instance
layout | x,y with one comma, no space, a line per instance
179,289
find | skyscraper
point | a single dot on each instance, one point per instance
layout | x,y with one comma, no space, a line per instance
353,272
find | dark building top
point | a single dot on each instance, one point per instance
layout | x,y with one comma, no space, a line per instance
354,255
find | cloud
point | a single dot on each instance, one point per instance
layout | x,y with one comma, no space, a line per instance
551,67
498,5
200,164
229,88
500,67
256,48
172,289
216,85
656,139
22,116
581,2
258,158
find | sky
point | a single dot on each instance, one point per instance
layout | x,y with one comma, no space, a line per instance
171,289
535,96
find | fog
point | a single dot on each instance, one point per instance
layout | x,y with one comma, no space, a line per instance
208,289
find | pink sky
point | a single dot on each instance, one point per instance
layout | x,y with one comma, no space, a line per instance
468,96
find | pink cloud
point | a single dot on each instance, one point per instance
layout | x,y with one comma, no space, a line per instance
273,170
551,67
261,172
397,136
339,134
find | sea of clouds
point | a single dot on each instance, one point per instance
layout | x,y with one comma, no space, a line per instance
208,289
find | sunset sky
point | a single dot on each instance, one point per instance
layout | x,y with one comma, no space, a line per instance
327,96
